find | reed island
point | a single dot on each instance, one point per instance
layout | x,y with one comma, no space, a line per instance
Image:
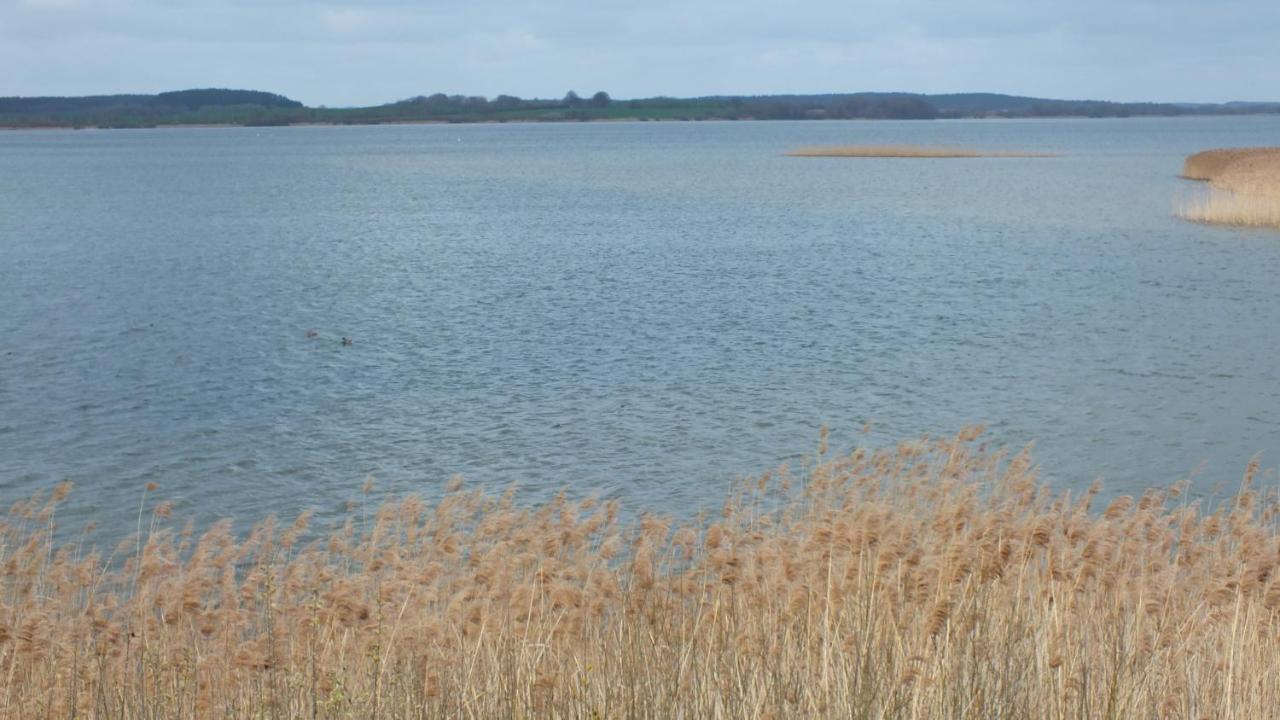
1243,187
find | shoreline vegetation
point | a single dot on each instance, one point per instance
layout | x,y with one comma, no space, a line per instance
908,151
223,107
932,579
1243,187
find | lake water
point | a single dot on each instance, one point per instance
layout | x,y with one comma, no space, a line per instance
646,310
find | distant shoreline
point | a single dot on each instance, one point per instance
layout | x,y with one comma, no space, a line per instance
219,107
527,121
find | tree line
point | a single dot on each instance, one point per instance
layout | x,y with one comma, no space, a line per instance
250,107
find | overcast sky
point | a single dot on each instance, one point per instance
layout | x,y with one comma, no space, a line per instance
381,50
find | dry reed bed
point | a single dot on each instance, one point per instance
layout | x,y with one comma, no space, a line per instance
1244,187
1255,175
1208,164
904,151
929,580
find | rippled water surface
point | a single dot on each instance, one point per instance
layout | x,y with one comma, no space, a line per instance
647,310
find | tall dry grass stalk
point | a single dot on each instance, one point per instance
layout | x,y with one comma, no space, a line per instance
931,580
1244,187
904,151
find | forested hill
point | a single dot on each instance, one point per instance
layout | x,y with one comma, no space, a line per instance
178,107
249,107
168,101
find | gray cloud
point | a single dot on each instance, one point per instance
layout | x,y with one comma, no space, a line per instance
340,53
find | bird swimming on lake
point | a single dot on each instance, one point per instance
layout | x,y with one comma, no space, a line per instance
346,341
